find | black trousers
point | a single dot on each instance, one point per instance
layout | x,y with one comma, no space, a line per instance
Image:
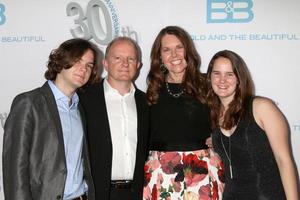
120,193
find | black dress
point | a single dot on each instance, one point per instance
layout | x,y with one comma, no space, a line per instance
254,169
178,124
179,164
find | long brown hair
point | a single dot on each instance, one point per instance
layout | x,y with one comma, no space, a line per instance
244,91
193,80
68,53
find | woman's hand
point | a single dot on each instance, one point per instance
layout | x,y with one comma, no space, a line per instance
209,142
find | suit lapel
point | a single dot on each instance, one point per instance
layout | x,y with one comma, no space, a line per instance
102,114
139,111
46,91
141,134
95,104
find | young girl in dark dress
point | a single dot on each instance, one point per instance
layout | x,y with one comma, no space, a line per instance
249,133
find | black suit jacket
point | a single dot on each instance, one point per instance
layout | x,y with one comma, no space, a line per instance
100,144
33,159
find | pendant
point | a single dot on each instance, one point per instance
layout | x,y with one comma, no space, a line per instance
230,169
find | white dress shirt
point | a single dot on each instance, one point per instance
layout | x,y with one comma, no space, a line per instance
122,116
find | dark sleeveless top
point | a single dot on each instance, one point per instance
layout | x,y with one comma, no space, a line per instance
178,124
255,172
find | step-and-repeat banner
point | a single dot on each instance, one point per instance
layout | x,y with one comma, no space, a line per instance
265,33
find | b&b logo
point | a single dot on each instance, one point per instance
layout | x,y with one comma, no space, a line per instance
2,16
229,11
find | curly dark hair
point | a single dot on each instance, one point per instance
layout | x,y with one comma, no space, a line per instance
193,81
70,52
244,91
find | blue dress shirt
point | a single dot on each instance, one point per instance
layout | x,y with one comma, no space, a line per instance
73,141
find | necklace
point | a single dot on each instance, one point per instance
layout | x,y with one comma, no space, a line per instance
229,152
176,95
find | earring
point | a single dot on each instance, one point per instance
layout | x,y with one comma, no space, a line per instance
163,69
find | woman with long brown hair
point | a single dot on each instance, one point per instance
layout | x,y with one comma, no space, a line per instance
249,133
179,165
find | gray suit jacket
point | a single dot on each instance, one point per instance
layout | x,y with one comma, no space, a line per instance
33,159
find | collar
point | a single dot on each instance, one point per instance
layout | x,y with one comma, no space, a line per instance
110,90
59,95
